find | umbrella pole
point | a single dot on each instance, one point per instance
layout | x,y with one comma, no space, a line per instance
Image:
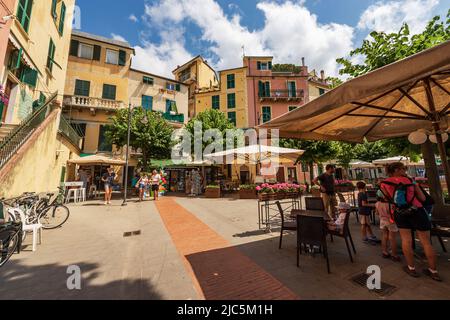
432,173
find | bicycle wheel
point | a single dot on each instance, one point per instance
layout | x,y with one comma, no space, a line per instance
54,217
8,246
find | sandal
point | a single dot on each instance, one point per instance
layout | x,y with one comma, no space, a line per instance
434,276
412,273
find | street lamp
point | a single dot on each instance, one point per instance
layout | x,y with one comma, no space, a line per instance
144,121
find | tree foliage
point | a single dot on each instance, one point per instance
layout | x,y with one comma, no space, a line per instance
153,136
287,67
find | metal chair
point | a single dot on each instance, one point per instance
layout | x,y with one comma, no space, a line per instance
285,225
346,235
312,231
314,203
352,209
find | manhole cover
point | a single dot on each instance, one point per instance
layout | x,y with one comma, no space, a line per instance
386,289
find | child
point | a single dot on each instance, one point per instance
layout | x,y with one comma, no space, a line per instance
338,225
388,227
364,215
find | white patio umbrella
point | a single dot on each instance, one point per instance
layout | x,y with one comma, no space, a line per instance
383,162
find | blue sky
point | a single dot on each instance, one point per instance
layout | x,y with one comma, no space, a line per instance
167,32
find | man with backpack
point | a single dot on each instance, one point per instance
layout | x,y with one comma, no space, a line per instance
406,198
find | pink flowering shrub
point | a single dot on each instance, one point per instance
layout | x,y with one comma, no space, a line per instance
344,183
280,187
3,97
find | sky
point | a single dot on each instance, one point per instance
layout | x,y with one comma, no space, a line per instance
167,33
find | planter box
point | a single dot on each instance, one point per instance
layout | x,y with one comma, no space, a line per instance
266,196
342,189
247,194
315,192
212,193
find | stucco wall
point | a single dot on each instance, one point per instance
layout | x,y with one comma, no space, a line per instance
4,31
36,167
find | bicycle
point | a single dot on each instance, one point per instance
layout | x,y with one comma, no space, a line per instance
51,213
10,239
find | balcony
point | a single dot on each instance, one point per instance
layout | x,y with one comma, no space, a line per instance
93,103
286,95
179,118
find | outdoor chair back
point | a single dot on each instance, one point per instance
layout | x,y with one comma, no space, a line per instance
346,235
285,225
314,203
312,231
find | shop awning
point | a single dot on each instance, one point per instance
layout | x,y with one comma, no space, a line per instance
97,160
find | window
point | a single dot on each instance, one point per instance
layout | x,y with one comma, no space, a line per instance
266,114
112,57
122,58
51,55
232,117
109,92
82,88
24,13
103,144
264,65
264,89
86,51
54,14
292,174
170,86
148,80
171,106
321,91
292,88
231,97
216,102
147,102
292,108
231,81
62,19
185,75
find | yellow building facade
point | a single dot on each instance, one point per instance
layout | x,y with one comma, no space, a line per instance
197,74
96,87
229,97
36,55
318,85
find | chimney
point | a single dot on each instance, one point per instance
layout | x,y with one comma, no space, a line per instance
322,74
303,61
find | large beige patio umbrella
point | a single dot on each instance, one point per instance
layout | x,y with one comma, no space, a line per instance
392,101
97,160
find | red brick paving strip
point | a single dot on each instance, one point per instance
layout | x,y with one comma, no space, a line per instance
221,272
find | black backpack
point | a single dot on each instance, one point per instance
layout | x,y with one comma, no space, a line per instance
400,198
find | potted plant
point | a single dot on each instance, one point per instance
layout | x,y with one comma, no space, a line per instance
266,192
212,191
315,191
344,186
248,191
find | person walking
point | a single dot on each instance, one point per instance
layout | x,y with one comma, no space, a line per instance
326,182
108,179
155,179
406,198
142,185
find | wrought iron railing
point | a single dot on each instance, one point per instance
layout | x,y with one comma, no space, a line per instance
19,135
173,117
69,132
282,94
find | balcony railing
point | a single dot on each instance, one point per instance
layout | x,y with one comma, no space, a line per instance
69,132
282,94
173,117
97,103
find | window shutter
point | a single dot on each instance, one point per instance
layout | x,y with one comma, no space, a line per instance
270,65
51,55
267,89
122,58
29,76
54,15
74,44
177,87
258,65
261,89
62,18
168,105
97,53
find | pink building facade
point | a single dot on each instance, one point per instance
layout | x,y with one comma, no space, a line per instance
6,10
272,94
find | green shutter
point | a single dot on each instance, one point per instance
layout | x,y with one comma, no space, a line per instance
51,55
29,76
82,88
231,100
122,58
258,65
216,102
266,114
97,53
109,92
24,9
232,117
74,44
54,15
267,89
231,81
147,102
261,92
62,19
270,65
177,87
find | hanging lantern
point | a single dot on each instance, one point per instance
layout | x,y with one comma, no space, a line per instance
417,137
444,138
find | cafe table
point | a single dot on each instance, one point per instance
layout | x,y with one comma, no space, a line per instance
310,213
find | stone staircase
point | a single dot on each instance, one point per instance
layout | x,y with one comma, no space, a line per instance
5,129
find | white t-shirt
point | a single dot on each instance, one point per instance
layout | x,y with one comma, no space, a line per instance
156,178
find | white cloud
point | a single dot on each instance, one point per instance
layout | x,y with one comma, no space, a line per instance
118,37
388,16
290,32
133,18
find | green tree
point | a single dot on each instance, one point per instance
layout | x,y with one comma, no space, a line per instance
383,49
334,82
346,153
210,119
370,151
150,132
315,151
